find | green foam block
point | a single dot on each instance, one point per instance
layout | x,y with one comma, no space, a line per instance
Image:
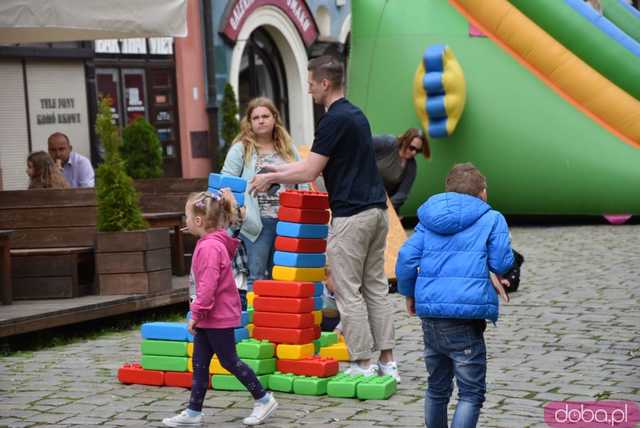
376,388
328,338
169,364
231,383
255,349
317,344
282,382
167,348
250,312
260,367
344,385
310,385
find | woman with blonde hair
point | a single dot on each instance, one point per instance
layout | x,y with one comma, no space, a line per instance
262,142
44,173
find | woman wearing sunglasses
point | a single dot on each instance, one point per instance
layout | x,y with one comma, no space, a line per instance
396,161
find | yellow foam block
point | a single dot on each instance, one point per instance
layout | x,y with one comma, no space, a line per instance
285,273
341,338
216,367
294,352
250,296
339,351
190,349
190,365
317,317
250,328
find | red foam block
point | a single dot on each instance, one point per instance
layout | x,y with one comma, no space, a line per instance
304,199
299,215
135,374
275,319
300,245
287,305
181,379
271,288
292,336
317,332
312,366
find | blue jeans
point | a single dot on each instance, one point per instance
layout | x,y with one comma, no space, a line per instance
260,253
454,347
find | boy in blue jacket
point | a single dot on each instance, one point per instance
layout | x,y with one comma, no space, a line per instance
443,270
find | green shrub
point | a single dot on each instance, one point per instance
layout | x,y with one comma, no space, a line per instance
118,208
141,150
230,123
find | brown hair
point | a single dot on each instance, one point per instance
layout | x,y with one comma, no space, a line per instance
46,173
327,67
217,210
405,139
282,141
465,178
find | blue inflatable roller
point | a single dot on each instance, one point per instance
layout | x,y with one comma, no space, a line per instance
299,230
303,260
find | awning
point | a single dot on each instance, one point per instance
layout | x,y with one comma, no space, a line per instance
39,21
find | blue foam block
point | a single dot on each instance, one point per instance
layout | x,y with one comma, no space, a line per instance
302,260
241,334
244,318
166,331
318,291
239,196
318,303
299,230
221,181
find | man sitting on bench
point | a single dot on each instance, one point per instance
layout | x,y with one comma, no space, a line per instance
76,168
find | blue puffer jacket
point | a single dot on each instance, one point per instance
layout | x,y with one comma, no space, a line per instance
445,264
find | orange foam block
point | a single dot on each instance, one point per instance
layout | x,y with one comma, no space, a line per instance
283,320
304,199
312,366
283,305
135,374
271,288
294,336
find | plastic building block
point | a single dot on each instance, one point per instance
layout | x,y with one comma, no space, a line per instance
190,349
230,383
316,346
241,334
294,352
259,367
298,215
317,317
303,260
244,318
250,296
376,388
221,181
318,303
135,374
316,332
157,362
328,338
181,379
250,312
250,330
270,288
304,199
283,305
281,382
339,351
166,331
344,386
299,230
341,339
310,385
255,349
318,289
300,245
311,366
286,273
295,336
284,320
168,348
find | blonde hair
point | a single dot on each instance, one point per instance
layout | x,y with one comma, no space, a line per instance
46,173
282,141
217,210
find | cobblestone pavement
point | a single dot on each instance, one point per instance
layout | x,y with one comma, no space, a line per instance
572,332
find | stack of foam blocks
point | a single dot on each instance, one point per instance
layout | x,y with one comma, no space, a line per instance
237,185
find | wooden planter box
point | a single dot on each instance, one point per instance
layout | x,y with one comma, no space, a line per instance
137,262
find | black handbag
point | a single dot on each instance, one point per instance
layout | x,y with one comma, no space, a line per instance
513,274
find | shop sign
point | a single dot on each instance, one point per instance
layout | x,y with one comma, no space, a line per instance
57,111
297,10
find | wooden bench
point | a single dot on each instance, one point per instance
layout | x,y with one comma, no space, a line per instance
162,201
52,247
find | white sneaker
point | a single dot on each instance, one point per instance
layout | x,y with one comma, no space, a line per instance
389,369
355,369
183,420
261,411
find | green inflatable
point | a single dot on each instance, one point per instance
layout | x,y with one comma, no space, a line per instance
539,153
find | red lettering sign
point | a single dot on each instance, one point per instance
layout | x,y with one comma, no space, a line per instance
297,10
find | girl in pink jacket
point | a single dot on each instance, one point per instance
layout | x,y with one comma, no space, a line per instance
215,311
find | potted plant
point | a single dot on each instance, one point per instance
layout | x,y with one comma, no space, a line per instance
130,258
141,150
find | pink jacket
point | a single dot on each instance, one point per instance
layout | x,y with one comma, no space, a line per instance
217,302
